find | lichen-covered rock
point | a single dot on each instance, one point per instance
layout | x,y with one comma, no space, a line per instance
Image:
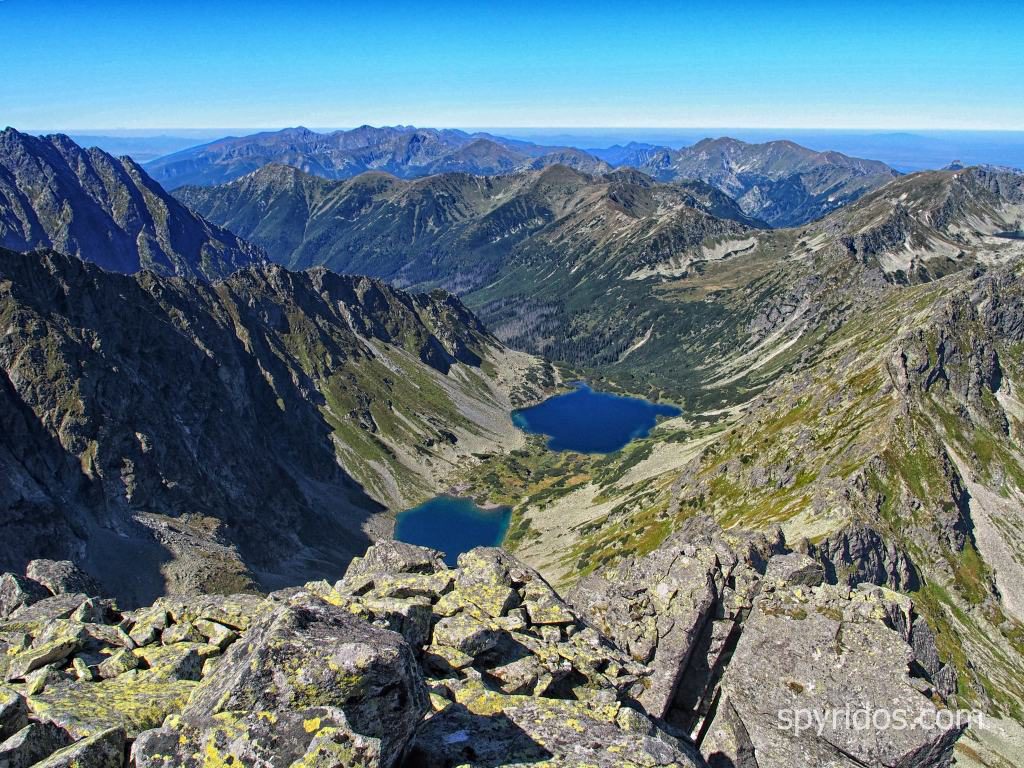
795,569
654,608
101,750
310,738
16,591
13,712
118,663
182,632
133,702
62,577
31,659
179,661
48,609
810,670
391,558
32,744
481,727
236,612
309,653
216,633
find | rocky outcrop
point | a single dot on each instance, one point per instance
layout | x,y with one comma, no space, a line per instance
743,638
307,680
677,611
699,647
483,664
515,676
859,554
61,577
819,678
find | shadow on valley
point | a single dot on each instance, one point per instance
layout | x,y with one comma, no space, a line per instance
168,435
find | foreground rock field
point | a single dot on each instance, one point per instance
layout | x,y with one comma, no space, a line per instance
688,656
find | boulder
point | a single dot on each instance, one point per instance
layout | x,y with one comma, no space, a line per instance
132,702
318,737
62,577
48,609
101,750
32,744
309,654
38,656
17,591
391,558
795,569
819,678
13,712
179,661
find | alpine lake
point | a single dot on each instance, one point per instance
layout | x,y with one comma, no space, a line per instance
583,420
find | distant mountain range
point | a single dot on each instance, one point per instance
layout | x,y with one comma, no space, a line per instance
779,182
405,152
54,194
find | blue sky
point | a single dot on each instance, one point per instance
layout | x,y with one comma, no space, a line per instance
87,65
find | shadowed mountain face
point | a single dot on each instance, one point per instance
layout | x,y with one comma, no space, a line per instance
173,435
406,152
779,182
54,194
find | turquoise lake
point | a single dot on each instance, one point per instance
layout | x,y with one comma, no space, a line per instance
452,525
591,422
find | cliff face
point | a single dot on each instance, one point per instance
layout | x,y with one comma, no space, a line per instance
55,194
178,435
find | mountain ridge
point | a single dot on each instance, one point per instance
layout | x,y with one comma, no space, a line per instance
404,151
54,194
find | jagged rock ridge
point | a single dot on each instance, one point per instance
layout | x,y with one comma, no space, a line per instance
54,194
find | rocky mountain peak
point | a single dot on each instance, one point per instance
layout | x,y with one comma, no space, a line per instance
54,194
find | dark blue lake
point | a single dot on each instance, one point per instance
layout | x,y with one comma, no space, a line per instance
591,422
452,525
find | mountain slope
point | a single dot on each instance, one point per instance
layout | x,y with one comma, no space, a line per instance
659,287
884,438
403,151
253,428
457,230
54,194
779,182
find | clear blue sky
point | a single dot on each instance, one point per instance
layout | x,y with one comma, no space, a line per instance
79,64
